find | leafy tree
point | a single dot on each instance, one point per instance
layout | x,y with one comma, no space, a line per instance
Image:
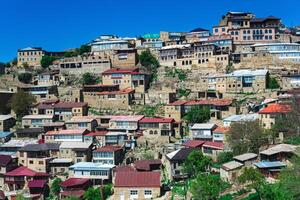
207,187
252,177
107,190
25,77
275,191
25,65
73,198
92,194
184,92
224,157
84,49
272,83
246,136
21,103
149,62
290,178
196,163
68,54
55,187
20,197
47,60
88,79
197,114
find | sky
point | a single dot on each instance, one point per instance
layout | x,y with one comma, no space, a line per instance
57,25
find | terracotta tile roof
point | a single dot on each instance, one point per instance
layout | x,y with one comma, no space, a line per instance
71,182
137,179
214,145
146,164
108,148
24,171
193,143
70,104
67,132
275,108
97,133
121,70
37,183
5,160
156,120
221,129
124,91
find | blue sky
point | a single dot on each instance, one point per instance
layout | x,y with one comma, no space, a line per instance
57,25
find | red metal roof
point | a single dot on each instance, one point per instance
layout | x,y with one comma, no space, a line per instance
73,193
146,164
214,145
97,133
124,91
71,182
177,103
275,108
121,70
156,120
126,168
137,179
37,183
5,160
215,102
24,171
193,143
108,148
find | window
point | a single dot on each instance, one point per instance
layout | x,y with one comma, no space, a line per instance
148,193
223,29
30,161
133,192
41,162
216,30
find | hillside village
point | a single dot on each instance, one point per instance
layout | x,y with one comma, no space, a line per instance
202,114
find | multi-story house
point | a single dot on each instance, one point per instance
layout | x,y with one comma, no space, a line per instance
116,138
7,163
21,178
203,131
109,44
197,35
194,56
157,129
71,135
66,110
125,123
98,173
38,156
108,155
239,81
36,121
82,122
245,28
77,151
94,64
126,78
6,122
271,113
41,92
32,56
49,78
137,185
220,108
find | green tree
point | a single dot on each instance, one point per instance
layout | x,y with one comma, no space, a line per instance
47,60
84,49
196,163
272,83
21,103
224,157
55,187
197,114
246,136
20,197
92,194
107,190
150,63
290,178
253,178
207,187
25,77
73,198
89,79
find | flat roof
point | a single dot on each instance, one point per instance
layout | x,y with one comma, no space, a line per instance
268,164
231,165
5,117
38,117
131,118
245,156
204,126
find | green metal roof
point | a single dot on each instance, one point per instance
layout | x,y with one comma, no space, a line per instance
151,36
